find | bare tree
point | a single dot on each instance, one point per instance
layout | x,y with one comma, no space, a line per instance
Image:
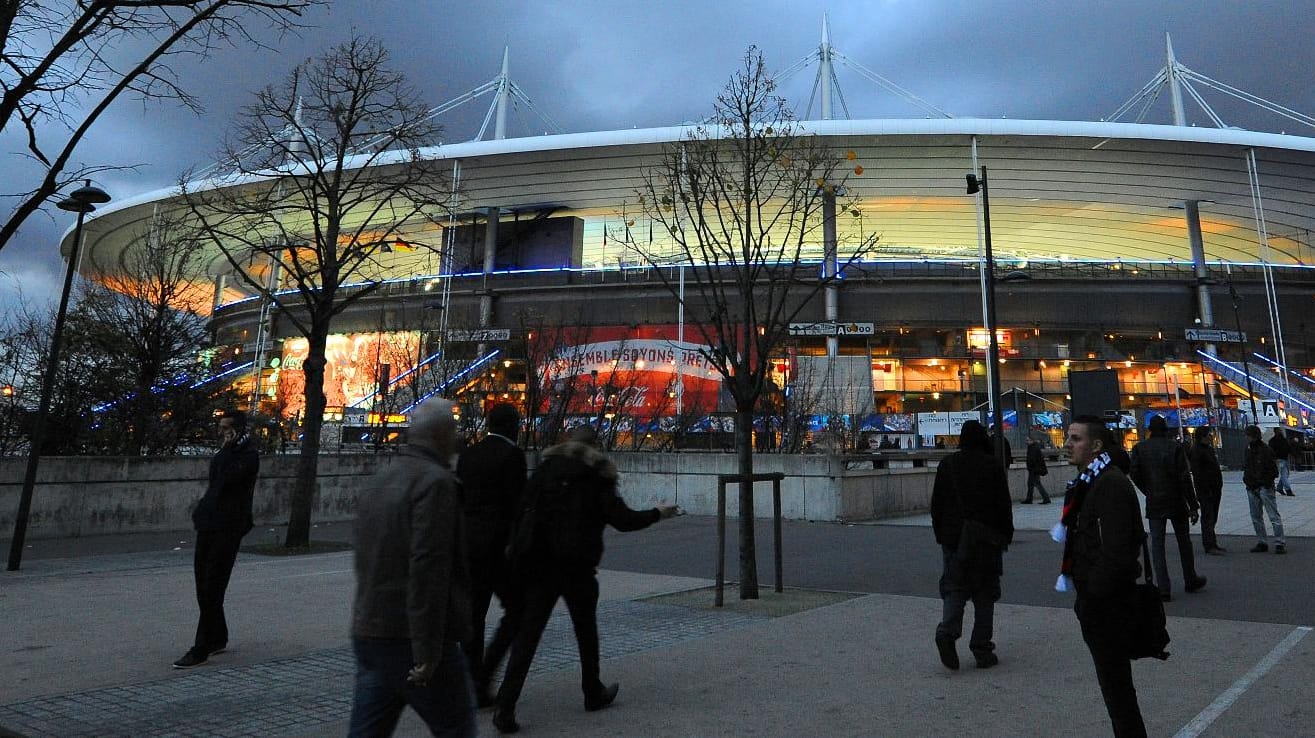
63,64
740,202
146,316
335,155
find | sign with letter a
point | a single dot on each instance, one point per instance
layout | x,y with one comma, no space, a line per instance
1269,415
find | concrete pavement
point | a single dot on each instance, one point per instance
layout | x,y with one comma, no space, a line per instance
88,639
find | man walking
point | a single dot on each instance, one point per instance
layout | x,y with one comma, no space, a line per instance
1159,468
411,612
1209,485
221,519
492,474
573,495
972,517
1103,535
1259,470
1282,451
1036,468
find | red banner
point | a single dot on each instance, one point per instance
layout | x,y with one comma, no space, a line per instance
643,371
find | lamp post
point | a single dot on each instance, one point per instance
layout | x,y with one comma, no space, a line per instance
976,185
81,201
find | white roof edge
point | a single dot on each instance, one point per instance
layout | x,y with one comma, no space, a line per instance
866,127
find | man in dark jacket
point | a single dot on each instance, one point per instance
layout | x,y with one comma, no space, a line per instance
221,519
1159,468
492,474
1102,522
573,494
972,517
1036,468
1209,485
1282,450
997,438
1259,470
411,612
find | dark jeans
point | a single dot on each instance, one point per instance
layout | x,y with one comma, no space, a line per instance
490,577
212,566
1104,629
1034,480
956,591
541,588
1182,531
1209,517
446,703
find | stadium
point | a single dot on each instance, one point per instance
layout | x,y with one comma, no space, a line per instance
1175,259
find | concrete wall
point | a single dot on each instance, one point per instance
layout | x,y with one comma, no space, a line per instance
84,496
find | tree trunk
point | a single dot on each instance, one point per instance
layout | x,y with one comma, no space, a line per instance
304,486
744,455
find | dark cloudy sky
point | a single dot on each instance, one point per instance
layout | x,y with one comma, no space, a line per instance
598,65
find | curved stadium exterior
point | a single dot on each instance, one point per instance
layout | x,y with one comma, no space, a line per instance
1098,215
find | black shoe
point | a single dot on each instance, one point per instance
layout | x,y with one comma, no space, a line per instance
949,656
1260,548
986,660
594,703
1045,502
1166,597
190,659
1196,585
483,697
1025,502
1279,548
1216,551
505,722
221,648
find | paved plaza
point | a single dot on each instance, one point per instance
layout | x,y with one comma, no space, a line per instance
92,626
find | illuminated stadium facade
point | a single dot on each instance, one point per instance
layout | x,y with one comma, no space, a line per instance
1130,236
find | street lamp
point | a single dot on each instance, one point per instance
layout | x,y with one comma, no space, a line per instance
81,201
1246,364
976,185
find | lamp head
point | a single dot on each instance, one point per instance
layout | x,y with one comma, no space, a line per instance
84,199
973,185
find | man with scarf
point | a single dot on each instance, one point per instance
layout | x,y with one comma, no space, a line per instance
1102,534
972,517
221,519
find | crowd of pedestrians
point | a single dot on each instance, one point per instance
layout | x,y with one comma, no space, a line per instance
435,544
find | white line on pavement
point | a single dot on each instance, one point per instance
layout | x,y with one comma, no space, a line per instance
1230,695
313,574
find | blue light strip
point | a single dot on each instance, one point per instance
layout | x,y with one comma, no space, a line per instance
1280,393
1293,372
393,382
449,382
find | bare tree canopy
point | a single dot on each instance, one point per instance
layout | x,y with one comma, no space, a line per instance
747,202
63,63
327,177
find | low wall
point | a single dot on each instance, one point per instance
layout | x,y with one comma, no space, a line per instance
85,496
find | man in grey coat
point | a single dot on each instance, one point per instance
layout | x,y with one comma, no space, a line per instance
412,606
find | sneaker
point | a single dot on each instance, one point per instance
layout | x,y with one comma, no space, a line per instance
1279,548
190,659
1260,548
949,655
1196,585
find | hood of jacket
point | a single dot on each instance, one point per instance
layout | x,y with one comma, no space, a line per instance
586,454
